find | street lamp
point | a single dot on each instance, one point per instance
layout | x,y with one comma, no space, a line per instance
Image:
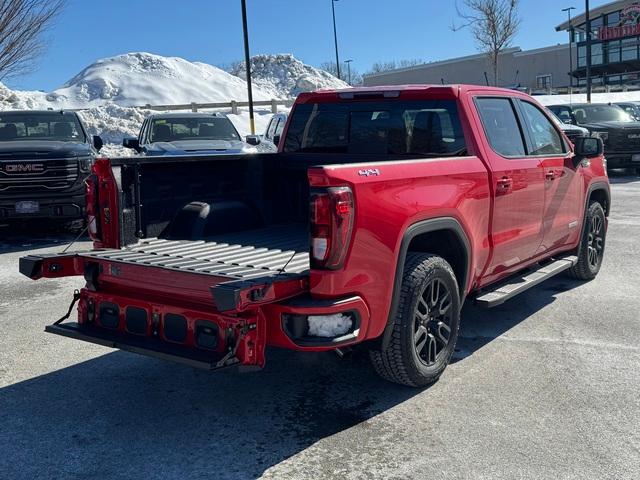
588,27
348,62
335,35
568,10
247,62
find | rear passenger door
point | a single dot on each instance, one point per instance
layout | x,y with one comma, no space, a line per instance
518,187
562,182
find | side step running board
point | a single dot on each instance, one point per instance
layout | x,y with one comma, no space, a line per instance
519,283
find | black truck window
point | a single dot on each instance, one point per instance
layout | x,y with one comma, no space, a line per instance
55,126
428,127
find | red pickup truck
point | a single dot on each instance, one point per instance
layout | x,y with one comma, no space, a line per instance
383,211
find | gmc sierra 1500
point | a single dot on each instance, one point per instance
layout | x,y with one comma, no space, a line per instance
383,211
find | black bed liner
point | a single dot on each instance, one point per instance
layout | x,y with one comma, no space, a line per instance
242,255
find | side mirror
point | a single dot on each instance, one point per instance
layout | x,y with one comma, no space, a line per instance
131,143
97,142
588,147
276,140
252,140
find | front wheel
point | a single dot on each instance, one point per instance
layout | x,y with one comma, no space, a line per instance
426,324
591,249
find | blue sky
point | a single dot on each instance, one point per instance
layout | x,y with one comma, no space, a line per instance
211,31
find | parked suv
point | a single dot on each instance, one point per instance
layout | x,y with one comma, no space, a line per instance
618,130
45,156
187,134
273,132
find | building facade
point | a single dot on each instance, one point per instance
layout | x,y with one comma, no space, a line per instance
535,70
615,57
615,38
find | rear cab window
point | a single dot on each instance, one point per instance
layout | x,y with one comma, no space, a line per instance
392,127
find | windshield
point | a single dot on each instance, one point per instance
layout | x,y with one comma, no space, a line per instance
206,128
58,126
429,127
601,113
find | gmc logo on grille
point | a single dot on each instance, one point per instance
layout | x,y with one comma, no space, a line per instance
24,168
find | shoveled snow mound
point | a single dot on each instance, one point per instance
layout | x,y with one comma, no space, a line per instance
137,79
595,98
284,76
329,325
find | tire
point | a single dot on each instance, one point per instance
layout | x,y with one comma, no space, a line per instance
592,242
423,339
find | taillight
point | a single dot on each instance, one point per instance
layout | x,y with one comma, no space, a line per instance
332,213
93,208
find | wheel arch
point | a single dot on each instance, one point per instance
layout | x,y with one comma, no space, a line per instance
440,236
599,191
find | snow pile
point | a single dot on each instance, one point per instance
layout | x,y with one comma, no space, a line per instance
136,79
284,76
595,98
329,325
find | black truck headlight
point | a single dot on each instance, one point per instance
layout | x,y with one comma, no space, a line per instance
603,135
85,164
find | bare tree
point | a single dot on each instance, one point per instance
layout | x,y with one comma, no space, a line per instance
379,67
493,23
329,66
22,25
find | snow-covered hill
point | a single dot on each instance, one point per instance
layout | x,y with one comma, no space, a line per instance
144,78
284,76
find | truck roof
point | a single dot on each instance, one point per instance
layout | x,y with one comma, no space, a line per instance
410,90
187,115
39,112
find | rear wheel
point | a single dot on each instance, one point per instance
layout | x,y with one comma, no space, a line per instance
591,249
426,323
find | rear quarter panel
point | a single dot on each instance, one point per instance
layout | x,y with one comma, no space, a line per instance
403,193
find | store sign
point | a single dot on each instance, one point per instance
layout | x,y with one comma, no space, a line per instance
629,24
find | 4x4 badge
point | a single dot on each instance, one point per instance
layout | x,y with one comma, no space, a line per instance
368,172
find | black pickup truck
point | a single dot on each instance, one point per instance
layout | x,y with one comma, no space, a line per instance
45,157
619,131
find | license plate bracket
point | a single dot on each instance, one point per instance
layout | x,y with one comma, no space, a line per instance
27,206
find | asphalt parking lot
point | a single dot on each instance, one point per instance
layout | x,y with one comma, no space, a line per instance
545,386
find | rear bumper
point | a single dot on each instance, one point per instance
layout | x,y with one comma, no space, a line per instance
144,346
68,207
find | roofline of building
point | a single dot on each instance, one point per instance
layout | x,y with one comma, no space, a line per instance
439,62
517,51
595,12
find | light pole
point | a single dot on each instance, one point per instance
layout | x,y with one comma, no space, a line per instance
348,62
335,35
588,26
247,63
568,10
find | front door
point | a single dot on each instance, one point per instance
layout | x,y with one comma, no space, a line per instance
518,187
562,181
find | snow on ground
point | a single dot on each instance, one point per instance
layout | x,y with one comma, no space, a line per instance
284,76
595,98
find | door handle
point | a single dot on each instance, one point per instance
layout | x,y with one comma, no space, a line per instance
550,175
505,183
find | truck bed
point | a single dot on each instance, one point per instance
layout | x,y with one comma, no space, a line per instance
242,255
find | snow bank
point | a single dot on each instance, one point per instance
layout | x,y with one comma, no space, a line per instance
284,76
143,78
329,325
595,98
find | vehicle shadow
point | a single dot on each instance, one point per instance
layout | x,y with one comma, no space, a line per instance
19,238
479,325
622,176
125,416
